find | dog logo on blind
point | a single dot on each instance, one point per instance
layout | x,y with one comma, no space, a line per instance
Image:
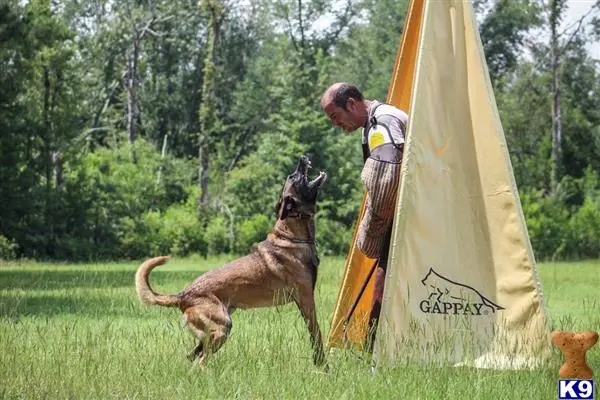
452,298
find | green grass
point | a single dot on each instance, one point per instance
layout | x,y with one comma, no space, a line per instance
79,332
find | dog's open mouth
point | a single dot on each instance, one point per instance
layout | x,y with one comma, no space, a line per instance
303,166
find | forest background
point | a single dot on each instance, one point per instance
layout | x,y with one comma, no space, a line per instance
133,128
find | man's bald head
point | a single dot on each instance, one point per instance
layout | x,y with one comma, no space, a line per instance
345,106
339,93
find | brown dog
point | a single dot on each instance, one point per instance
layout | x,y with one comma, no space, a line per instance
281,268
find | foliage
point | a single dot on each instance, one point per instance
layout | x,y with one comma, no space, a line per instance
546,222
175,231
251,89
567,227
112,206
368,56
585,228
7,249
504,31
250,232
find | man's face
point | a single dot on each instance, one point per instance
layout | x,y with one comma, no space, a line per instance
340,117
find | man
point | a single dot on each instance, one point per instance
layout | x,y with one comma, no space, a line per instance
384,128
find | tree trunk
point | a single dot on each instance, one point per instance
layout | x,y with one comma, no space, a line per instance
134,118
48,164
47,157
203,174
132,109
57,161
556,158
208,106
162,157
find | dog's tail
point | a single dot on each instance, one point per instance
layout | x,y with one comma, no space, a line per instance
145,292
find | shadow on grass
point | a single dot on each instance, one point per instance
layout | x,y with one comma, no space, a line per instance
12,306
80,292
39,305
52,280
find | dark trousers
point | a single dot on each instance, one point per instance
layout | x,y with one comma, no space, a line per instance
378,290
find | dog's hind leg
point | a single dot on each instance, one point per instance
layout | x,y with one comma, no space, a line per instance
218,336
195,323
211,323
219,328
197,352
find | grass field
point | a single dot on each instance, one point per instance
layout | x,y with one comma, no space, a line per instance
79,332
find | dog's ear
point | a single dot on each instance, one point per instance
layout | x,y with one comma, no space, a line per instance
287,205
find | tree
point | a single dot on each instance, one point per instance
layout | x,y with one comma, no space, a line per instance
367,52
504,28
16,51
208,120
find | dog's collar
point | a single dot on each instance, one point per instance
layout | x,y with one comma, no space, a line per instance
299,216
280,234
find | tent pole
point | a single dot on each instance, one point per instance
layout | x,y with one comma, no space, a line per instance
359,296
